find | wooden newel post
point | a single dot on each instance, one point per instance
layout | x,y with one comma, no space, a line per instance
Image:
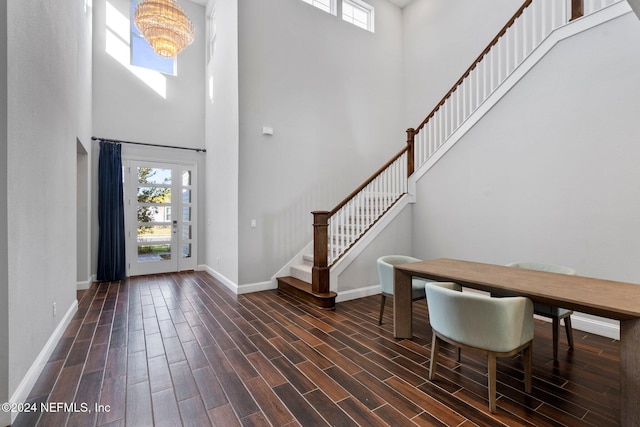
320,270
577,9
411,133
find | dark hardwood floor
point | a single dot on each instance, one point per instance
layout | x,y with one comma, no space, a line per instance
180,349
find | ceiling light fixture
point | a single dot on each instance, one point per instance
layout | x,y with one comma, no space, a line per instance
164,25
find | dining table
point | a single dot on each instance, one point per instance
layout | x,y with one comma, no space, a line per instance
600,297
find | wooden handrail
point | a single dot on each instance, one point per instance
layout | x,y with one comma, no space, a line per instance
368,181
519,12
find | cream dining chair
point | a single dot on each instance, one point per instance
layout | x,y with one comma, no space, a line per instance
555,313
385,274
497,327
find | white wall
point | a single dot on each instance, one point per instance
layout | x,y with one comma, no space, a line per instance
441,41
47,63
550,174
4,238
333,94
134,104
221,133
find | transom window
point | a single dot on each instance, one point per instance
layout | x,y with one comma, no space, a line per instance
213,32
358,13
328,6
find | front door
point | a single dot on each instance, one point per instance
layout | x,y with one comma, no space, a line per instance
161,217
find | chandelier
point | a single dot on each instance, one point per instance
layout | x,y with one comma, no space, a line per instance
164,26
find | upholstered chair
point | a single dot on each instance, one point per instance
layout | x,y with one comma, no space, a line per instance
554,313
385,274
497,327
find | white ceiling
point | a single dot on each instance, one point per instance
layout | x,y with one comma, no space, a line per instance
399,3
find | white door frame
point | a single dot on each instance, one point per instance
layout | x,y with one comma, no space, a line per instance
180,223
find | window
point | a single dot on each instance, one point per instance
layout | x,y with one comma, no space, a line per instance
213,31
328,6
142,54
358,13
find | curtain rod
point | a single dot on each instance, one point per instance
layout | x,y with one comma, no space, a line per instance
203,150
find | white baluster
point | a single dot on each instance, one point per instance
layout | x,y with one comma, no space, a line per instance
479,94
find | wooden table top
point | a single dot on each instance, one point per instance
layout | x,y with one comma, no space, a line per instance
606,298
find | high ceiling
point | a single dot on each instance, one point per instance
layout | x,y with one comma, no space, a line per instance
399,3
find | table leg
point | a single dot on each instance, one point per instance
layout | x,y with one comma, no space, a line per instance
402,310
630,372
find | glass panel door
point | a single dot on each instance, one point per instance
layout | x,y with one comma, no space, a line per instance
187,238
160,235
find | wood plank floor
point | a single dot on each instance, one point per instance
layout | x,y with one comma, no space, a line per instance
180,349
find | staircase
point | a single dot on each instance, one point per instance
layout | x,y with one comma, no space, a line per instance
338,230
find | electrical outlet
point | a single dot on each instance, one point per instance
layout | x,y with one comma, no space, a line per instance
217,260
55,309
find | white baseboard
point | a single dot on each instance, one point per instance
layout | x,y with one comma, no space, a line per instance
589,325
219,276
357,293
234,287
594,326
256,287
81,286
29,380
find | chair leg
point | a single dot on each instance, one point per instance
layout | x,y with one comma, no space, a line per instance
434,357
568,330
492,382
556,328
382,300
458,354
527,359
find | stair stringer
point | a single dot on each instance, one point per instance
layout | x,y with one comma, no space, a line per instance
561,33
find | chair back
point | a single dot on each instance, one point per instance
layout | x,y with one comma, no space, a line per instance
549,268
493,324
385,269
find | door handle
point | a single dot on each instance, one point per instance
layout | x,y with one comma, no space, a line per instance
175,226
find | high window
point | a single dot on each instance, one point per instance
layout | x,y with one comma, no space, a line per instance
328,6
142,54
212,35
358,13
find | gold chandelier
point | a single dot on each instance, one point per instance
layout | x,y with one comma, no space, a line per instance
164,26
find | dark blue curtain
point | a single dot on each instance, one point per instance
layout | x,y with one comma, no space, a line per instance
111,244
